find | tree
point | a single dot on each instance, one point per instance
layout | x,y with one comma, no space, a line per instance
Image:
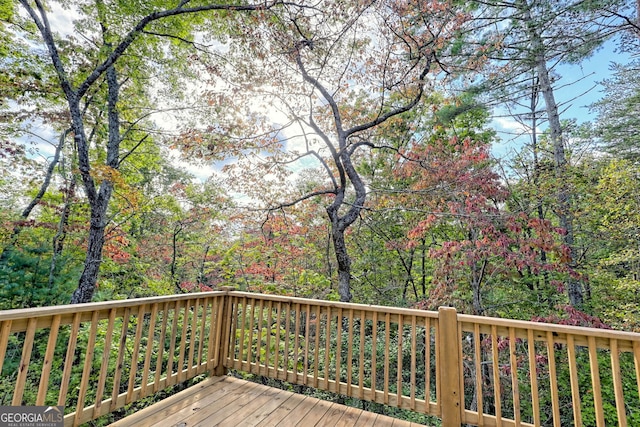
481,244
617,125
113,30
337,71
534,38
28,102
612,215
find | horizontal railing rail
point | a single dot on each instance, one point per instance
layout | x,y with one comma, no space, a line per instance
98,358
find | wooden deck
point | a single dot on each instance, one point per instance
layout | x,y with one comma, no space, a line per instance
227,401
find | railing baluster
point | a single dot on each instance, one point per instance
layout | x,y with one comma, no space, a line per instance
573,377
617,383
201,341
427,365
268,327
350,353
316,350
5,331
183,341
287,336
595,381
284,314
117,377
307,336
252,314
460,411
135,354
513,364
242,320
533,374
438,364
374,354
172,342
478,371
228,332
161,342
86,371
259,337
495,353
48,360
296,342
281,314
192,337
213,347
104,365
232,342
25,359
553,379
414,351
149,350
339,326
276,346
363,328
636,363
399,361
327,342
387,360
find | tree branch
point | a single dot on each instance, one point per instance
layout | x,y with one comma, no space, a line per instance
131,36
396,111
300,199
132,150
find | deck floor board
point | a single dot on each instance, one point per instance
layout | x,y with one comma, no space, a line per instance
232,402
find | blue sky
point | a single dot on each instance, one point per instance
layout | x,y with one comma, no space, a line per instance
577,88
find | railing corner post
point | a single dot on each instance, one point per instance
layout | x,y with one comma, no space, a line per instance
225,332
449,344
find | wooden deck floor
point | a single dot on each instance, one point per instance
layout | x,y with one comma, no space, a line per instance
231,402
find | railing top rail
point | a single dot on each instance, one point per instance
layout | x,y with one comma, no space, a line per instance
22,313
549,327
336,304
463,318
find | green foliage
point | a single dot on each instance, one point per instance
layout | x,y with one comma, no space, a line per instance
618,125
25,281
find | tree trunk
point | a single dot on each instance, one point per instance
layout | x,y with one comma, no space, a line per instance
177,229
202,278
93,259
563,195
477,277
423,260
342,256
574,288
98,201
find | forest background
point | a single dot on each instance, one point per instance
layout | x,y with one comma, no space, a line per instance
350,150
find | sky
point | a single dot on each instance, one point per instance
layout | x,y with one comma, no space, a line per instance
577,89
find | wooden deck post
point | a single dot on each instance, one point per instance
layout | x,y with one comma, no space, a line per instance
225,332
449,351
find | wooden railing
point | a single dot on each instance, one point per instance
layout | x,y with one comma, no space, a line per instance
97,358
548,374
